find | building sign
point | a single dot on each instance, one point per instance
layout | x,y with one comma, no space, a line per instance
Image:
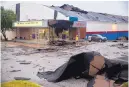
28,24
80,24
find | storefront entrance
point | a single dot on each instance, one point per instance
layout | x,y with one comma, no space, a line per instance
32,31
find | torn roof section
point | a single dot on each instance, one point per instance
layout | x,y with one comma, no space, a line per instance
71,11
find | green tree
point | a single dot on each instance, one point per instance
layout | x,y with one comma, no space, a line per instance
7,18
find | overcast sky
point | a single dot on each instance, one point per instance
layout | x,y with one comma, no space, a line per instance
110,7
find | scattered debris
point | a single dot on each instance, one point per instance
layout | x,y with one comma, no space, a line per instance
36,66
11,66
116,52
42,69
6,59
15,71
125,57
62,53
87,65
21,78
115,41
57,56
123,38
21,61
121,45
48,50
26,63
61,43
25,53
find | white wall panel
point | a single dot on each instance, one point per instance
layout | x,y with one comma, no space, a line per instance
38,12
93,26
98,26
122,27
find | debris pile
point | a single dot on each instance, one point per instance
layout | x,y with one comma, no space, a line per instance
123,38
121,45
24,62
47,50
15,70
61,43
25,53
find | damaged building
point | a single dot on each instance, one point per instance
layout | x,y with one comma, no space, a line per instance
110,26
34,28
85,23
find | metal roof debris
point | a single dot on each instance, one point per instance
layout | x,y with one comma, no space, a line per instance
71,11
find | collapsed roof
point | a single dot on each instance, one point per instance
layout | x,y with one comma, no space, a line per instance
71,11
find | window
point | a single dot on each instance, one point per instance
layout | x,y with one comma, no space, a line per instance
99,36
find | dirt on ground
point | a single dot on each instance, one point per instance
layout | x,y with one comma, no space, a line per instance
23,62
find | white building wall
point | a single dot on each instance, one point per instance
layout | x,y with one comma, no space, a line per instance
38,12
122,27
94,26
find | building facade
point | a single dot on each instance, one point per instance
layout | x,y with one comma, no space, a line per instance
108,29
33,30
110,26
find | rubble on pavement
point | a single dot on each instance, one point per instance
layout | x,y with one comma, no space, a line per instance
50,58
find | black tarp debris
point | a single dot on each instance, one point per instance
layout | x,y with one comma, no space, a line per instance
79,66
69,69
